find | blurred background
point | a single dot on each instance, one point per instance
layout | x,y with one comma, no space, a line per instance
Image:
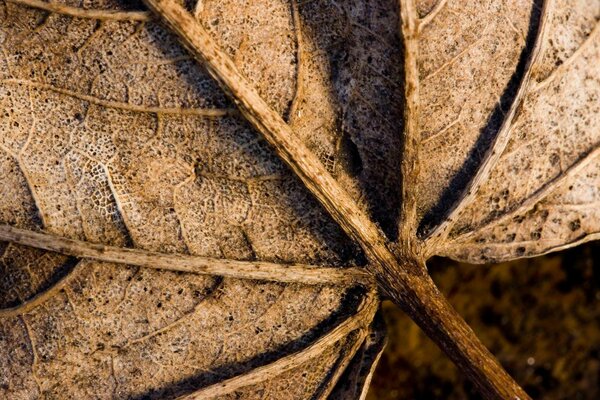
540,317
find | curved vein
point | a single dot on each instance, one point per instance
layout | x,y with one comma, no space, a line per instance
203,112
358,321
179,320
85,13
423,22
588,237
569,61
367,381
342,362
443,130
538,195
118,203
35,362
492,157
293,273
366,360
41,297
583,239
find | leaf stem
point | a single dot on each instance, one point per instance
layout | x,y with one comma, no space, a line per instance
428,307
407,283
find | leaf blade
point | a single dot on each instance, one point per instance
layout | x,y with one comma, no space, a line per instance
120,330
558,157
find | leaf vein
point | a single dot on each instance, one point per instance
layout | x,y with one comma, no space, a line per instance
203,112
294,273
85,13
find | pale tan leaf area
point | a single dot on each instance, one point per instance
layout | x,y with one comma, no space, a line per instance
210,198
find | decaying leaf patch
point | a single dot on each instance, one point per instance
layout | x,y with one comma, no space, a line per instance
209,199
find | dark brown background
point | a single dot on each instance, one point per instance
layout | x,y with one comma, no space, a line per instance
540,317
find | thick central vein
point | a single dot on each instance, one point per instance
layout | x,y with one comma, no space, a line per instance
280,135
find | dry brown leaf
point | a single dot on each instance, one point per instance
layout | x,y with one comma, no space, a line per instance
157,246
113,135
